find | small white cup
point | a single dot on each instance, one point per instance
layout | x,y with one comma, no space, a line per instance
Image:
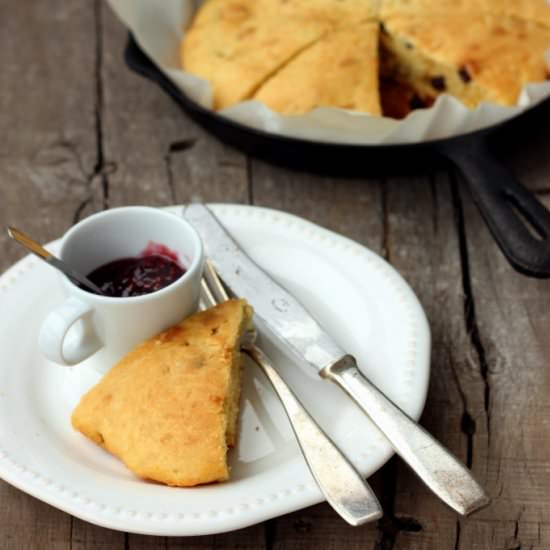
86,323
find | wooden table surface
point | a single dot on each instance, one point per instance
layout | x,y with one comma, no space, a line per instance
81,133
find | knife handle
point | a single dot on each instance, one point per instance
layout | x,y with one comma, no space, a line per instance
444,474
341,484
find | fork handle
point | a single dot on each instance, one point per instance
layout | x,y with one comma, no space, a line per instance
444,474
341,484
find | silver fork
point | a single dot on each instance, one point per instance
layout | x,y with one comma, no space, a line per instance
341,484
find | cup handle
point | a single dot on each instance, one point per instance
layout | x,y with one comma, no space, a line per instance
54,330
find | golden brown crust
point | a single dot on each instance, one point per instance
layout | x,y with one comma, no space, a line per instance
537,11
236,54
337,13
166,408
237,45
341,70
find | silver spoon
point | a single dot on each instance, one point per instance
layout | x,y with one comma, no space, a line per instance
50,259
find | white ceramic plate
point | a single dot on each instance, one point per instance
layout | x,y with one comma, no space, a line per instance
355,294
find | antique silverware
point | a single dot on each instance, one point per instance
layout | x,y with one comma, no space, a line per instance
50,259
284,316
341,484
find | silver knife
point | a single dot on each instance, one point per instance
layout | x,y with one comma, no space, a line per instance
288,320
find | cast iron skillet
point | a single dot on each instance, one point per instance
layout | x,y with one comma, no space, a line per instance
519,223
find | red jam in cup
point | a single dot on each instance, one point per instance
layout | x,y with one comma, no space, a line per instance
155,268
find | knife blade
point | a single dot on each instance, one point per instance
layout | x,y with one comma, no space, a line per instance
288,320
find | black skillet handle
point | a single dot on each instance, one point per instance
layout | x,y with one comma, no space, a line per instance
519,223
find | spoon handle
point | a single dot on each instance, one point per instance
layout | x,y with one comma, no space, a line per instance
28,243
32,246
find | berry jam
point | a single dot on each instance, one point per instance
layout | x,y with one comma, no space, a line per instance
136,276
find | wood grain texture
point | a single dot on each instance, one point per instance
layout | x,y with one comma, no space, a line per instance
512,317
86,536
353,207
47,103
85,134
47,160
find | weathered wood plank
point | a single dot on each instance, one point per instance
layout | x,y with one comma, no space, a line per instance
424,244
251,538
512,316
47,106
29,524
505,535
319,527
47,160
86,536
352,207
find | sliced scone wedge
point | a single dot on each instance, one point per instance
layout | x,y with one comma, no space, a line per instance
169,408
340,70
236,54
473,57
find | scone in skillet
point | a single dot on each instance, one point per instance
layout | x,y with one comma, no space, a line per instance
238,45
169,408
291,54
340,70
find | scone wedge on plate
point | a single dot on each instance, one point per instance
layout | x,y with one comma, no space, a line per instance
474,57
169,408
340,70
